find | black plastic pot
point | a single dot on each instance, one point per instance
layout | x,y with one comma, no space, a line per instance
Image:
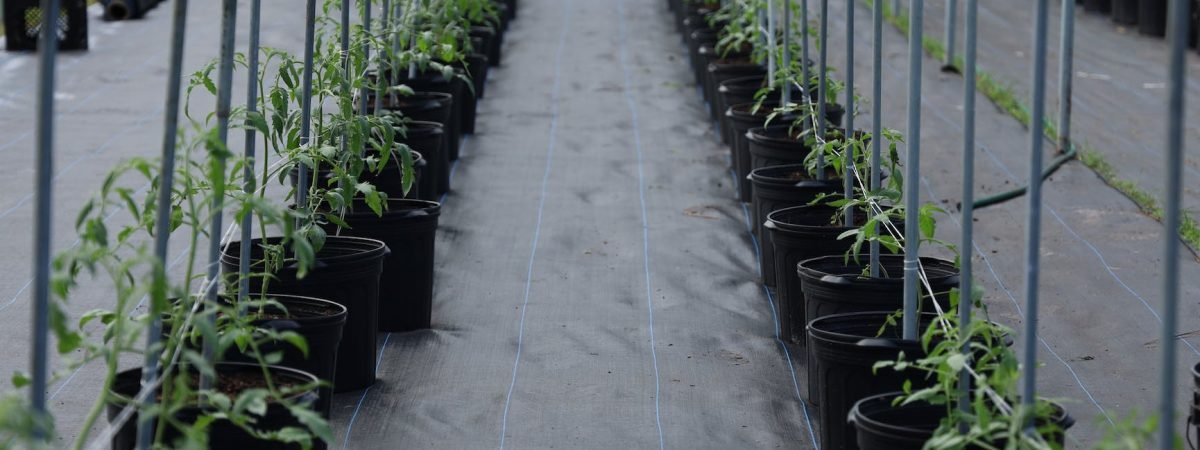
699,38
831,285
881,426
777,145
778,188
843,351
456,87
1125,12
409,228
477,66
1152,17
321,323
427,107
221,433
347,272
721,70
735,91
741,118
796,234
1097,6
427,139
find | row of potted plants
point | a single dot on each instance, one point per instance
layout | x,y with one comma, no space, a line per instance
872,388
345,252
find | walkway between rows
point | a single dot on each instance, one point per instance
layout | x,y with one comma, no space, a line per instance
596,287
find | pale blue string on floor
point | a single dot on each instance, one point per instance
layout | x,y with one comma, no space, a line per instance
637,144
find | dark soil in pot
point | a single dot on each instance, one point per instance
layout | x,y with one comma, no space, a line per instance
843,353
232,379
880,426
742,118
321,323
831,285
409,228
796,234
346,271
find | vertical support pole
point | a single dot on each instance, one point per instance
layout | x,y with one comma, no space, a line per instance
380,72
1176,76
968,200
366,18
39,366
306,101
876,114
412,43
822,60
224,98
1066,74
806,81
772,44
345,57
766,41
951,26
249,183
162,224
912,181
851,174
1034,226
895,7
785,92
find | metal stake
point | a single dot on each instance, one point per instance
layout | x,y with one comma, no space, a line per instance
48,51
785,96
249,183
1176,72
1034,227
912,181
345,57
1066,76
306,102
224,97
362,93
851,174
876,115
951,28
380,76
772,45
822,60
806,81
968,201
162,224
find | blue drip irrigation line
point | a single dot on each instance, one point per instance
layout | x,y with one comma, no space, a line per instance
787,355
562,40
933,196
637,144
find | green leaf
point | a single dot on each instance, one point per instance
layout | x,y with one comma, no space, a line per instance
20,379
253,401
